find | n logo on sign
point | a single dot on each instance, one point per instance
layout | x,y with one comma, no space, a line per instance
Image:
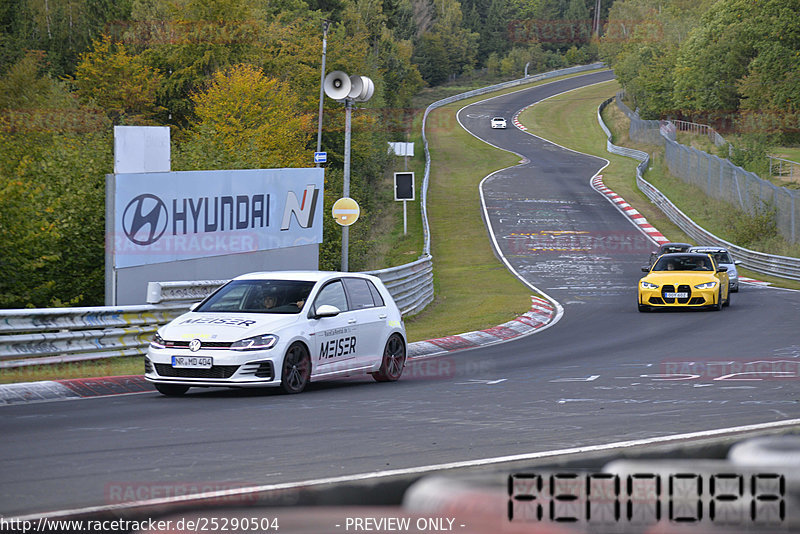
303,210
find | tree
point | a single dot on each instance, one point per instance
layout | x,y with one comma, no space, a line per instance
120,83
247,120
54,154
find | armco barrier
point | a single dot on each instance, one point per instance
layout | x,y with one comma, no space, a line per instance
781,266
57,335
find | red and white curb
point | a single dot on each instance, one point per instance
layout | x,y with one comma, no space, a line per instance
78,388
628,210
540,314
640,220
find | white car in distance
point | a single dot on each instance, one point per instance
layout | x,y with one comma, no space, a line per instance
281,329
498,122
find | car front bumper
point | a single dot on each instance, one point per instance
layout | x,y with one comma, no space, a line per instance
229,369
696,298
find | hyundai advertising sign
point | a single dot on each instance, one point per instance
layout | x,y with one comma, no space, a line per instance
173,216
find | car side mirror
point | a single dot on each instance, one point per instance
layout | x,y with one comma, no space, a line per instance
326,310
737,262
721,268
645,269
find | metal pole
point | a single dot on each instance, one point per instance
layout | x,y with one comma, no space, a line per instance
405,219
348,106
325,24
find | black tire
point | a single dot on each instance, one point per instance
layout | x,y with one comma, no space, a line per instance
718,305
296,369
394,360
172,390
728,299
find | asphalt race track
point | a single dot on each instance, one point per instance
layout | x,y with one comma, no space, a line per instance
603,373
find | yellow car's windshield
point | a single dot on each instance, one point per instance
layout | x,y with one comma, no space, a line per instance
684,262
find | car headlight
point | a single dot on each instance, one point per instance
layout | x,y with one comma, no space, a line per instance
707,285
255,343
648,285
157,342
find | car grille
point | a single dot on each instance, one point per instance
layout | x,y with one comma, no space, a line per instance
216,371
656,300
681,289
203,344
148,366
265,370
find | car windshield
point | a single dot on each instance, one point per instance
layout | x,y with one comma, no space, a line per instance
719,256
722,257
694,262
259,296
666,249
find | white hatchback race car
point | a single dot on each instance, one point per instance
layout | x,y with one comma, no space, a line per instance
281,329
498,122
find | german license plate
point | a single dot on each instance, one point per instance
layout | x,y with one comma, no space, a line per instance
676,295
192,362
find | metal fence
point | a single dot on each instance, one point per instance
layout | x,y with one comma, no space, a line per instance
781,266
784,168
719,178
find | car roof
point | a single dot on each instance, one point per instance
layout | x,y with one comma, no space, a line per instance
708,249
309,276
684,255
498,118
665,245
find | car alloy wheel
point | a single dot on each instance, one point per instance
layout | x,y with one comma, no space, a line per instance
296,369
394,359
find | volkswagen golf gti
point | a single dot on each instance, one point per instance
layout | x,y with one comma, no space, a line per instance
281,329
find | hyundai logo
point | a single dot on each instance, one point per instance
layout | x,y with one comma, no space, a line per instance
145,219
194,345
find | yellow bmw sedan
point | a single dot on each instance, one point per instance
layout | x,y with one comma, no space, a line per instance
684,280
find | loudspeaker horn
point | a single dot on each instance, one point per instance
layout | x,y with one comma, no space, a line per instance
337,85
356,86
367,90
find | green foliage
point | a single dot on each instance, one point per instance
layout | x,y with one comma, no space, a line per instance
443,52
687,59
61,28
118,82
245,121
750,152
750,230
52,191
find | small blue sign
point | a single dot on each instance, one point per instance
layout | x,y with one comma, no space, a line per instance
320,157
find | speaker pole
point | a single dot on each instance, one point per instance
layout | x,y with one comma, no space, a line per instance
348,107
325,24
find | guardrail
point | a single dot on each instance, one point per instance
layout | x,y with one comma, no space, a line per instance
59,335
781,266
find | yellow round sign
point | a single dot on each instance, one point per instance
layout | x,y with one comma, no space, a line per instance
346,211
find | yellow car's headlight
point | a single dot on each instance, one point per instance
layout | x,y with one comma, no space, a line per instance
648,285
707,285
